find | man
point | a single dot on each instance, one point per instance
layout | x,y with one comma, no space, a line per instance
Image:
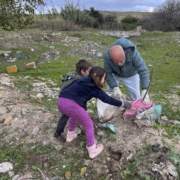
124,64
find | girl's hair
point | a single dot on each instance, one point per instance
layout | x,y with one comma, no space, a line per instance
82,65
96,73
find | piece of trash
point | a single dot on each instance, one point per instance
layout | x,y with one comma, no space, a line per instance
151,114
5,167
11,69
137,107
109,126
83,171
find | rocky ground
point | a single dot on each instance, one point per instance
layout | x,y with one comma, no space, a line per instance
28,112
27,124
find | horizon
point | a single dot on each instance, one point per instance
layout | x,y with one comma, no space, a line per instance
105,5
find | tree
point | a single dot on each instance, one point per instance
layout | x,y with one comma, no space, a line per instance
70,12
166,18
17,13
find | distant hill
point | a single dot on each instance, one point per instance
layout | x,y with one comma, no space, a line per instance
121,15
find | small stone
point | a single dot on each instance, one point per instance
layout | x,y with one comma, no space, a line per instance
31,65
67,174
3,110
6,119
16,177
11,60
99,55
11,173
6,81
130,156
40,95
164,118
35,131
6,167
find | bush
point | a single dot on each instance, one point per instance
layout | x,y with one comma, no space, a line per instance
110,22
70,12
166,18
55,24
129,22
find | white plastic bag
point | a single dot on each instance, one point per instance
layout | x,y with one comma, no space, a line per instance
106,111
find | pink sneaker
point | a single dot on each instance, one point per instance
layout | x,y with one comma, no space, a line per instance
95,150
137,106
71,135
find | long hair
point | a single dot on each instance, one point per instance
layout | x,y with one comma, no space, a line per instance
97,73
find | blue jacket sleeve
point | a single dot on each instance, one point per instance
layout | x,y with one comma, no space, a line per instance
141,69
98,93
110,78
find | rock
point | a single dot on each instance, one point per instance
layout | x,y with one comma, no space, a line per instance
100,133
125,34
11,69
6,119
40,95
11,60
99,54
5,80
165,118
16,177
26,176
3,110
67,175
31,65
32,49
129,157
5,53
35,131
166,170
50,55
41,87
143,123
5,167
11,173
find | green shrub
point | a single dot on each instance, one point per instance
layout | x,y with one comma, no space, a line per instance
129,22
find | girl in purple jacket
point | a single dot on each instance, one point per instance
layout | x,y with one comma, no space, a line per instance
72,102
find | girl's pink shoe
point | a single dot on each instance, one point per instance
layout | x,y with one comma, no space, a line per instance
95,150
137,106
71,135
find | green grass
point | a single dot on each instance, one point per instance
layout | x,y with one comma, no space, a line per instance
45,157
163,52
141,165
160,49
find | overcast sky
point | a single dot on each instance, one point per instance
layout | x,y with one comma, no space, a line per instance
111,5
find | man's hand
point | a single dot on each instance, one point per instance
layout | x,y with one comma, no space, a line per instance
147,99
117,92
